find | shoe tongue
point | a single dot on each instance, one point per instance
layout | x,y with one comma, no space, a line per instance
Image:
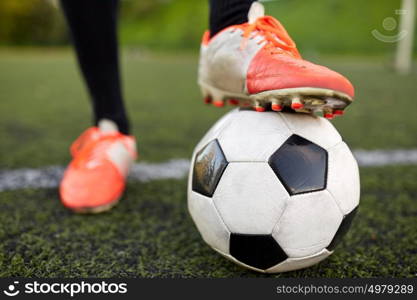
256,11
107,126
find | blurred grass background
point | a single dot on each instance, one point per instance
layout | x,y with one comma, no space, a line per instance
321,26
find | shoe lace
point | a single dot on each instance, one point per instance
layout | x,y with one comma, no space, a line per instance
274,34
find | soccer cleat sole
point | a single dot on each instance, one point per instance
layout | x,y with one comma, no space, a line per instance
329,103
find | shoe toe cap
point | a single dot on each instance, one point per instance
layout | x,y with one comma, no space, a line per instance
89,189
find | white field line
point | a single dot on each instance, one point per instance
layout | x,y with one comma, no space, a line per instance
49,177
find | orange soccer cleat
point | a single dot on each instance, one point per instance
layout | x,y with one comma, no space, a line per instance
96,177
258,64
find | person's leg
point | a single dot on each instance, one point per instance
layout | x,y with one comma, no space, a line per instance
93,25
224,13
102,156
248,59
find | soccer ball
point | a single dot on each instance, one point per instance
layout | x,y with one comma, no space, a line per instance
273,192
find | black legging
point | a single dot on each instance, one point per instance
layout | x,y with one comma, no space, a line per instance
93,25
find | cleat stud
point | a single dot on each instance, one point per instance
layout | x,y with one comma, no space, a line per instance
233,102
328,116
297,106
259,108
339,112
296,103
276,104
218,103
276,107
328,113
207,100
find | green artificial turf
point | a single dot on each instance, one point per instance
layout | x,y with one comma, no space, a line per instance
43,108
150,234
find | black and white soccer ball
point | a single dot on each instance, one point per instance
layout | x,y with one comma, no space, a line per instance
273,192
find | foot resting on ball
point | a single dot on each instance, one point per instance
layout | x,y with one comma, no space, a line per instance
257,64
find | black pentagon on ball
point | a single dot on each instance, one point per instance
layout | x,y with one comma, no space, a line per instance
300,165
209,166
258,251
343,229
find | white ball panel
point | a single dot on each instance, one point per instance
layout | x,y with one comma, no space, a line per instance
253,136
292,264
343,178
216,129
250,198
308,224
315,129
208,221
